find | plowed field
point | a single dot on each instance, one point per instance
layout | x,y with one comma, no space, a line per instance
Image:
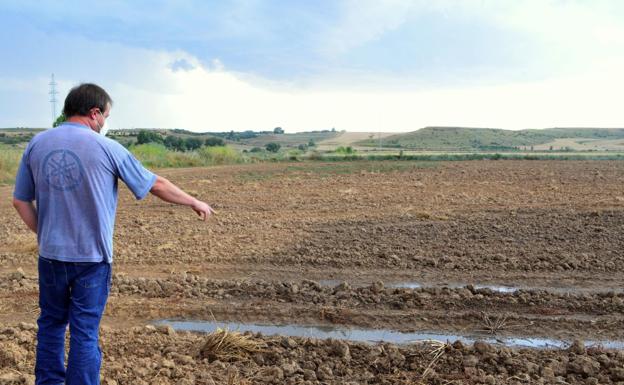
553,231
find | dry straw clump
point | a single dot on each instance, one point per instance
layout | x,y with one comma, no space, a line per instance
496,324
227,346
438,348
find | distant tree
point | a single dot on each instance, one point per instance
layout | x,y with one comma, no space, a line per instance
311,143
278,130
192,143
333,129
212,142
256,149
173,142
146,136
61,118
273,147
246,135
303,147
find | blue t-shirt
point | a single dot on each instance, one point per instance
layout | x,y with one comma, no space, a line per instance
72,172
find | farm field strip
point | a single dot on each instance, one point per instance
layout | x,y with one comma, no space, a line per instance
501,249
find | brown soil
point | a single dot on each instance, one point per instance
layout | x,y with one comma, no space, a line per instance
282,228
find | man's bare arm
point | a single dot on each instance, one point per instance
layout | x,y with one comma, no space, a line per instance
171,193
27,212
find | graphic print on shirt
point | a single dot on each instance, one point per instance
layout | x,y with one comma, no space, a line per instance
63,170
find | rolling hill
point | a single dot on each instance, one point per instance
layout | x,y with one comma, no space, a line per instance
463,138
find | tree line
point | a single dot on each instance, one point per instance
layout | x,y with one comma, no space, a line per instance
177,143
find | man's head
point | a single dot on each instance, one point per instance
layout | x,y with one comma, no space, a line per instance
89,104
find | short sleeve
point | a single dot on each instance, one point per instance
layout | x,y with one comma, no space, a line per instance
138,179
24,181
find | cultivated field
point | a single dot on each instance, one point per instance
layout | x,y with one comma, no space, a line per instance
508,252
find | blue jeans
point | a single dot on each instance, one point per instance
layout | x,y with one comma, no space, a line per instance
74,293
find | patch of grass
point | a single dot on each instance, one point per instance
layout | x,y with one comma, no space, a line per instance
157,155
9,162
220,155
345,150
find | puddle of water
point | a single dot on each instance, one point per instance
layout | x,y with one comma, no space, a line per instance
500,289
405,285
418,285
373,335
329,282
496,288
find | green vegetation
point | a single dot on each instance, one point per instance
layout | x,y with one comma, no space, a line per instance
285,140
16,138
212,142
220,155
157,155
472,156
487,139
9,162
273,147
180,148
61,119
345,150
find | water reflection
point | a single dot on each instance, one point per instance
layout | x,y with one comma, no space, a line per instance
374,335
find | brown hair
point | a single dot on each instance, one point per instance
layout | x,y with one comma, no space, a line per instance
82,98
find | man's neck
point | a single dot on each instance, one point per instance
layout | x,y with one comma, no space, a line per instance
80,120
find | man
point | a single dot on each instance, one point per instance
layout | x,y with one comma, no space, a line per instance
72,171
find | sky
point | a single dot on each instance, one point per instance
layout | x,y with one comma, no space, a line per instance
354,65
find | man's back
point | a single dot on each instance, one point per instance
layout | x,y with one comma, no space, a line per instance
71,171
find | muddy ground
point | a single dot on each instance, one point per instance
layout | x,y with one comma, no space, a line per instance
554,230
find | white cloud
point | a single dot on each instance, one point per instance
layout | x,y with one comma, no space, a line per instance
586,42
201,99
361,22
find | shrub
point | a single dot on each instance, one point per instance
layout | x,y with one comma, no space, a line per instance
273,147
294,154
192,143
174,143
345,150
212,142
